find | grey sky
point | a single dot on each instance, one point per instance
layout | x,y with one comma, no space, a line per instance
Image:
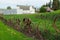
13,3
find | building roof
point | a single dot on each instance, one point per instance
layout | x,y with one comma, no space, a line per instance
24,7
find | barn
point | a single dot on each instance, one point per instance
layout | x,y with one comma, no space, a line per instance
21,9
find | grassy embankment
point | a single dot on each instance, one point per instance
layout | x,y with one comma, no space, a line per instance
43,20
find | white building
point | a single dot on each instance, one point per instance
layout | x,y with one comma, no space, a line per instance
48,9
8,11
21,9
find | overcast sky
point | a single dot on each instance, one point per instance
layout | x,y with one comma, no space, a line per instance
13,3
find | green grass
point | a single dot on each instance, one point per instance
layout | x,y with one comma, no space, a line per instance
7,33
43,20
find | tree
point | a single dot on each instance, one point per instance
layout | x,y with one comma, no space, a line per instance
43,9
50,4
9,7
55,4
59,4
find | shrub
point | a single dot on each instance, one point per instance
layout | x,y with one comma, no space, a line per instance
42,9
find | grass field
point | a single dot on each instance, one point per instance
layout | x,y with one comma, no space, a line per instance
43,20
7,33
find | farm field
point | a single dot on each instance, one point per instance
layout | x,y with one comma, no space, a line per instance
44,21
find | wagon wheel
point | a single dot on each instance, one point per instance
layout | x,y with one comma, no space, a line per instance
56,24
